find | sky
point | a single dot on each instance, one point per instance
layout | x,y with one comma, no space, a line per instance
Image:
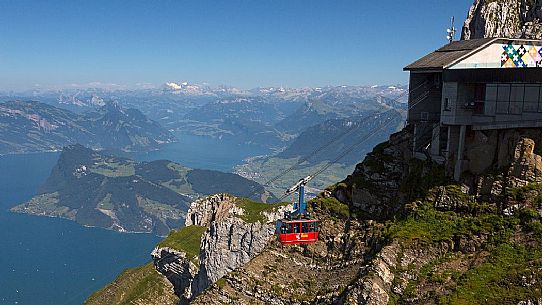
293,43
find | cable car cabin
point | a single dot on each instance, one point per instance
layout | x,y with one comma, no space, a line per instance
298,231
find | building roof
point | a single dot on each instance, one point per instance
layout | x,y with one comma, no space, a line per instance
454,52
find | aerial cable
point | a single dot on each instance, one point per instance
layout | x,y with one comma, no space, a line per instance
367,137
313,153
349,150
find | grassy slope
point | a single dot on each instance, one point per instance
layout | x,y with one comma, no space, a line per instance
254,210
142,286
186,239
508,253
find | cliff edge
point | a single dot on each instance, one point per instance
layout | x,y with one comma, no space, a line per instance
504,18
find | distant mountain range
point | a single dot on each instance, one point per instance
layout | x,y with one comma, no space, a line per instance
269,117
27,126
96,189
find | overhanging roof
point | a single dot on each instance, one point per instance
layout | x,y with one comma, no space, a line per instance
454,52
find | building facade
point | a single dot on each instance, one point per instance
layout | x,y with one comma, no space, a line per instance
469,88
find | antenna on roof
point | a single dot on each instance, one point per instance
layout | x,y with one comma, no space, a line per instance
451,31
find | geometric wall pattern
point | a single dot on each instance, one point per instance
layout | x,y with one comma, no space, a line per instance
521,56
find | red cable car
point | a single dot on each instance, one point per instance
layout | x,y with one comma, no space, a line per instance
303,231
298,227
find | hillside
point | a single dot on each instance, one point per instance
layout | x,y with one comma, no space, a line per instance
409,235
329,140
34,126
96,189
266,117
396,231
217,222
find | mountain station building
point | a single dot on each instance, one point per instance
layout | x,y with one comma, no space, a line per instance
469,90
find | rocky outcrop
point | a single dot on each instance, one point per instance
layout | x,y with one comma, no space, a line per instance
228,245
504,18
234,235
517,153
177,268
375,185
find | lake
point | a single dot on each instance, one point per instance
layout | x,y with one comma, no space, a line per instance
204,153
51,261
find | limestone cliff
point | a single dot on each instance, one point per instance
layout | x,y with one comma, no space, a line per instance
222,233
396,231
504,18
405,233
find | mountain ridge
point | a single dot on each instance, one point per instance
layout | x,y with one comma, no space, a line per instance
97,189
31,126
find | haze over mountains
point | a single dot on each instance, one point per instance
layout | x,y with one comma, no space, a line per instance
27,126
269,117
288,122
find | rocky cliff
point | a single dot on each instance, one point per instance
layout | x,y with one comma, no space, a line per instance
222,233
396,231
404,233
504,18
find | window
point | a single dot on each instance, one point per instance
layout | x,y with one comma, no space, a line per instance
305,228
503,98
517,93
513,98
491,99
532,94
424,116
447,105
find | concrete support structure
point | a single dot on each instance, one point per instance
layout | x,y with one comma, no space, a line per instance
435,140
460,150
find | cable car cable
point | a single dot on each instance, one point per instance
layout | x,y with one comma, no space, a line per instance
396,99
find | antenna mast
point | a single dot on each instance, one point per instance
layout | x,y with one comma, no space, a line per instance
451,31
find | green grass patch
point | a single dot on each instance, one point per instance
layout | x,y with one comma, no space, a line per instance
114,169
134,286
221,283
520,193
333,206
254,211
427,225
105,203
498,280
424,176
186,239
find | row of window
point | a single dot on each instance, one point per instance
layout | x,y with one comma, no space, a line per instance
512,98
305,227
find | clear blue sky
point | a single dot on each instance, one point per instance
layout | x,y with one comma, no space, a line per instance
240,43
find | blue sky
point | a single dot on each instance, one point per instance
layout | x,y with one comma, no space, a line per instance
237,42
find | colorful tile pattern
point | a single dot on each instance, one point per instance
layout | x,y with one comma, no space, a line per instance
521,56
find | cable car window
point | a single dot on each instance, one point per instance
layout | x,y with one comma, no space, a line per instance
311,227
305,227
296,228
286,228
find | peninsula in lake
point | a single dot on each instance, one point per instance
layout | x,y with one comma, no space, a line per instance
96,189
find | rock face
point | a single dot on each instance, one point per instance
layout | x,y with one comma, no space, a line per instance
234,235
177,268
376,182
504,18
519,151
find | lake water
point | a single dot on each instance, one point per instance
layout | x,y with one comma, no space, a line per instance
204,153
51,261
